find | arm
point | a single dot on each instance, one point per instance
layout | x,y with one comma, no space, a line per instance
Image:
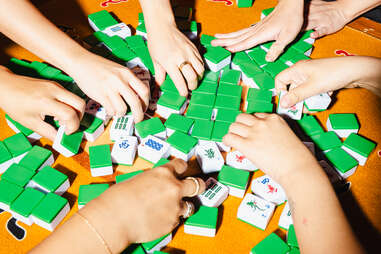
102,80
314,206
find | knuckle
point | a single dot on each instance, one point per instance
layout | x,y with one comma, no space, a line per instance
69,114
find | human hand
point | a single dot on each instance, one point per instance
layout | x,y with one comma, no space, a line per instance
29,100
143,208
270,144
111,84
282,25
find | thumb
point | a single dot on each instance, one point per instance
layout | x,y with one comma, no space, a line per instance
44,129
299,93
285,37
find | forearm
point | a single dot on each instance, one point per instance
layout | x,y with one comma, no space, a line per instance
354,8
317,214
157,13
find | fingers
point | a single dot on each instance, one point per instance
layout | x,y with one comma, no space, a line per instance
44,129
299,94
119,105
251,39
234,140
176,166
231,35
240,129
178,80
190,75
133,101
246,119
186,209
141,89
198,66
285,37
106,103
65,114
72,100
192,186
159,73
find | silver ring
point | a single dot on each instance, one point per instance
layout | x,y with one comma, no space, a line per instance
190,209
197,185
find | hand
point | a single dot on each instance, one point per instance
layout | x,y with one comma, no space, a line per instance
314,77
28,101
281,25
269,143
144,208
169,48
110,84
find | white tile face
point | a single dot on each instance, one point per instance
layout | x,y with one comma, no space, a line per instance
5,165
236,159
235,192
31,138
178,154
215,193
153,149
348,173
124,151
27,220
341,133
160,245
121,30
143,34
285,219
268,189
255,211
249,81
101,171
122,127
95,135
217,67
223,147
57,143
209,157
193,230
360,158
52,225
294,112
92,25
310,146
318,102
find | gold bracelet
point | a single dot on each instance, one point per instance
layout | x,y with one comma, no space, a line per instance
96,232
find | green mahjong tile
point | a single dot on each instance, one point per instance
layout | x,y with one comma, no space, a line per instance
168,85
17,144
244,3
288,54
101,37
259,107
64,78
229,90
27,201
230,77
17,174
205,217
160,252
227,115
216,54
294,250
211,76
124,177
91,123
24,130
275,68
359,144
267,45
240,57
114,42
256,95
343,121
9,192
49,178
250,69
49,72
266,12
182,142
100,156
193,26
140,17
20,62
299,57
102,19
148,246
199,112
202,129
264,81
73,141
341,160
49,207
38,66
135,41
203,99
326,140
233,177
134,249
271,244
310,125
179,123
89,192
144,55
206,87
220,130
171,100
306,35
161,162
292,241
302,46
124,53
227,102
149,127
206,40
141,27
5,155
34,159
258,55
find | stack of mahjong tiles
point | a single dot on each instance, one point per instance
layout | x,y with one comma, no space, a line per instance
30,189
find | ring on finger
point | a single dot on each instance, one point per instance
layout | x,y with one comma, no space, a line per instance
190,209
181,66
197,185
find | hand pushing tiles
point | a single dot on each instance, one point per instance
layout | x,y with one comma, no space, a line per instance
152,149
89,192
48,180
100,160
209,157
182,145
124,151
215,193
203,222
37,158
343,124
24,205
272,244
266,188
235,179
121,128
236,159
294,112
67,145
18,145
358,147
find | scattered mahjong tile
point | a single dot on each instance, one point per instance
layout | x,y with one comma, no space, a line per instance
121,128
67,145
142,30
206,87
206,40
151,126
236,159
255,211
100,160
292,241
176,122
244,3
203,222
288,54
25,203
231,77
358,147
294,112
265,13
285,219
101,20
217,58
209,157
37,158
146,59
169,103
258,55
202,129
135,41
48,180
229,90
17,174
257,95
259,107
93,125
235,179
157,244
343,124
211,77
297,58
303,47
344,163
227,115
183,145
266,188
124,151
310,125
89,192
18,145
6,159
127,55
168,85
199,112
203,99
274,68
220,129
215,193
249,69
227,102
120,29
238,59
152,149
326,141
124,177
264,81
8,193
318,102
50,211
271,244
17,127
161,162
114,43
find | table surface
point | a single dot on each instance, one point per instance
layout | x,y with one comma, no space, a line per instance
362,203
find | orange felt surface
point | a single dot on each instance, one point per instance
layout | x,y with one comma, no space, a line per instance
362,204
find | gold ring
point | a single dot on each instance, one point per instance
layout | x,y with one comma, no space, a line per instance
181,66
190,209
197,185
